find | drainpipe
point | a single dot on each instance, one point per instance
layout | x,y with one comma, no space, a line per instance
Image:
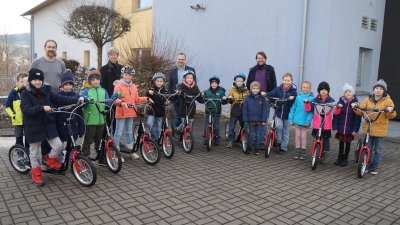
303,40
31,36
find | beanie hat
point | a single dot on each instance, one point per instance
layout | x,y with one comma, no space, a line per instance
347,86
67,77
254,83
323,85
35,74
93,74
381,83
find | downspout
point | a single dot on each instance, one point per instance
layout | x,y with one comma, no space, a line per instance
31,34
303,40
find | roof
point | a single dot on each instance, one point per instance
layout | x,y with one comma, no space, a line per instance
38,7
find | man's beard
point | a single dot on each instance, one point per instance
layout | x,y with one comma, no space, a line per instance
51,56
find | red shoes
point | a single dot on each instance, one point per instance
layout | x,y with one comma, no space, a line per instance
37,176
53,162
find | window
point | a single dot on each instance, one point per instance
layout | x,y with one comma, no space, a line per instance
360,67
86,58
64,55
142,4
363,70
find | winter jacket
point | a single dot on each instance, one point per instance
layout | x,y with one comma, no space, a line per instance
90,111
316,122
39,125
219,92
13,108
189,91
345,121
237,93
109,74
283,107
379,127
158,107
255,109
269,74
77,124
130,95
298,114
173,78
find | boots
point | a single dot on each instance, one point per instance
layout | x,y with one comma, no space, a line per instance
19,141
302,153
297,153
325,157
344,160
52,162
37,176
339,160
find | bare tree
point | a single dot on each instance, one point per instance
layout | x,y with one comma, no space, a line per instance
78,71
95,23
7,43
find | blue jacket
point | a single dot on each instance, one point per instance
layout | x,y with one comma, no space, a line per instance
77,124
255,109
298,115
173,78
345,121
283,107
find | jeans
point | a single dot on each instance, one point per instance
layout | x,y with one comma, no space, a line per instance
216,125
177,117
232,123
264,131
255,133
282,132
180,127
154,129
34,154
126,125
375,144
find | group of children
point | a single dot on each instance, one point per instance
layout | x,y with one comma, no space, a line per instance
31,102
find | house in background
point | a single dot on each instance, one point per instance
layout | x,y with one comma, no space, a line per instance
342,39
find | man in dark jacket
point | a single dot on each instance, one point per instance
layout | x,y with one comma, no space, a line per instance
175,77
111,73
265,75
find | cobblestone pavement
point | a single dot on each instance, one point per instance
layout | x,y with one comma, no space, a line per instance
222,186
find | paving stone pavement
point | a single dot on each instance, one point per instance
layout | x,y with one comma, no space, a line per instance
222,186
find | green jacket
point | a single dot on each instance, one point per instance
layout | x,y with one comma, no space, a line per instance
13,108
90,113
218,93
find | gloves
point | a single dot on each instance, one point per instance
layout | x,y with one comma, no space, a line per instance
116,95
89,99
246,125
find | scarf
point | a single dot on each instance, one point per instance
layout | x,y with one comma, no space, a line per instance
237,87
254,95
286,89
189,85
346,101
126,84
38,91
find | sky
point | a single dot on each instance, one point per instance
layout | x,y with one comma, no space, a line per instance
10,19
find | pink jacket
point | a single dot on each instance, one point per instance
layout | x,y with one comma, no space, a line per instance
316,121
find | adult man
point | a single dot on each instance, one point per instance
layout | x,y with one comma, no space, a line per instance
111,73
265,75
52,68
175,77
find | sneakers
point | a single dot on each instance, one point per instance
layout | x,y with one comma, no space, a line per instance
302,153
248,151
37,176
100,162
281,151
374,172
262,146
325,156
217,140
297,153
122,159
374,169
133,156
52,162
230,144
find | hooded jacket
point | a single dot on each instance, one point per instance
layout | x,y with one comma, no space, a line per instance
270,77
380,126
130,95
255,109
237,93
13,108
298,115
316,122
283,107
345,121
189,91
90,112
158,107
40,125
219,92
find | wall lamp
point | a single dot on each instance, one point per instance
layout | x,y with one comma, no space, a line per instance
196,7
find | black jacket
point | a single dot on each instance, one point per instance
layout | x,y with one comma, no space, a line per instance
270,77
39,125
110,73
158,107
173,78
189,91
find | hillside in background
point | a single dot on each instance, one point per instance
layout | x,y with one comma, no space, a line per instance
20,39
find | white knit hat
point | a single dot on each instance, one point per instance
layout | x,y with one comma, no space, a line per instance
347,86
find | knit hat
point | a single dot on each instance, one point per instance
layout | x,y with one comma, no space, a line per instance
67,77
94,74
347,86
381,83
254,83
323,85
35,74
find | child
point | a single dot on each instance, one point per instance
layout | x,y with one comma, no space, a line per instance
125,115
13,109
287,90
189,87
36,98
238,91
323,97
215,91
157,111
93,119
378,100
77,124
345,123
255,116
301,119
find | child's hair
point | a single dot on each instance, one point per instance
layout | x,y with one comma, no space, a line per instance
21,76
306,82
287,75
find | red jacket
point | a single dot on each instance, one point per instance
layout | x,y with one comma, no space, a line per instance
129,96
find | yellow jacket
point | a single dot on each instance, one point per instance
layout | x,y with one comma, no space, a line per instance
379,127
13,108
